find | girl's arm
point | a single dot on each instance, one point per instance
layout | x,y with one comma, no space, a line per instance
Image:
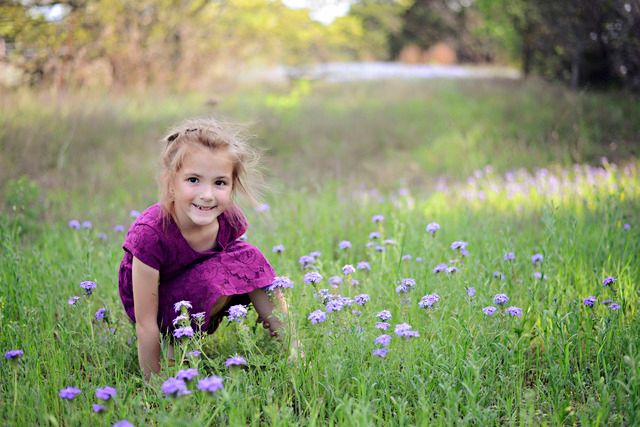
145,299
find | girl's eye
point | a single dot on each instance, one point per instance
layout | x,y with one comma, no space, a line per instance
192,180
220,183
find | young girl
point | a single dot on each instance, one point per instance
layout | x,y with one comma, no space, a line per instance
186,247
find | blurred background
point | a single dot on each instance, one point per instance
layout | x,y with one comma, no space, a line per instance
370,92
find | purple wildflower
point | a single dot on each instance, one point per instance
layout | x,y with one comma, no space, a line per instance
428,301
324,295
489,311
315,254
100,313
464,252
408,282
380,352
97,408
404,330
88,286
278,249
181,318
383,340
348,269
102,236
500,299
379,248
306,261
105,393
175,387
608,281
537,275
335,305
346,301
344,245
317,316
185,331
440,268
237,313
363,265
627,226
182,304
458,245
361,299
419,259
452,269
312,278
74,224
389,242
87,224
374,235
74,299
537,258
615,306
123,423
377,218
194,353
118,228
406,257
471,292
13,354
400,289
198,317
509,256
69,393
187,374
589,301
383,326
498,275
514,311
355,282
281,282
433,228
235,361
211,384
384,315
335,281
134,213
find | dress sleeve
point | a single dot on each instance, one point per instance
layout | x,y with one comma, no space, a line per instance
145,243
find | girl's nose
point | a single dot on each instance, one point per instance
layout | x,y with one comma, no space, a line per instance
207,193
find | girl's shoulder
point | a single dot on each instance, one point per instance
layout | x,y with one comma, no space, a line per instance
147,238
151,222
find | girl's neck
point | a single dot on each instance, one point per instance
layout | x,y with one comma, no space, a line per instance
200,239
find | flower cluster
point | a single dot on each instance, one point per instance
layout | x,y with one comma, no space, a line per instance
428,301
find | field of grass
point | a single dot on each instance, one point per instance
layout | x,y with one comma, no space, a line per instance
504,168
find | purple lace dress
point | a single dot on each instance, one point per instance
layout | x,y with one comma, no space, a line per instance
232,268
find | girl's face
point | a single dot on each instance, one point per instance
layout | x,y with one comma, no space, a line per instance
202,187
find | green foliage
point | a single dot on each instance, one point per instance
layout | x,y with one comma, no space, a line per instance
24,205
555,364
169,43
560,363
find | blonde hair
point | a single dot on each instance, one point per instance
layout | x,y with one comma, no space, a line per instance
212,134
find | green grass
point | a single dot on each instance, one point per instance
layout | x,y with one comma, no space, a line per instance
560,363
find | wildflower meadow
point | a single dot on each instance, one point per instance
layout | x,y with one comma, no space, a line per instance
501,290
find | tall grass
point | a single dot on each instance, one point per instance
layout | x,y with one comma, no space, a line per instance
561,362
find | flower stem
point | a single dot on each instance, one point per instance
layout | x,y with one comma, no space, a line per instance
15,390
